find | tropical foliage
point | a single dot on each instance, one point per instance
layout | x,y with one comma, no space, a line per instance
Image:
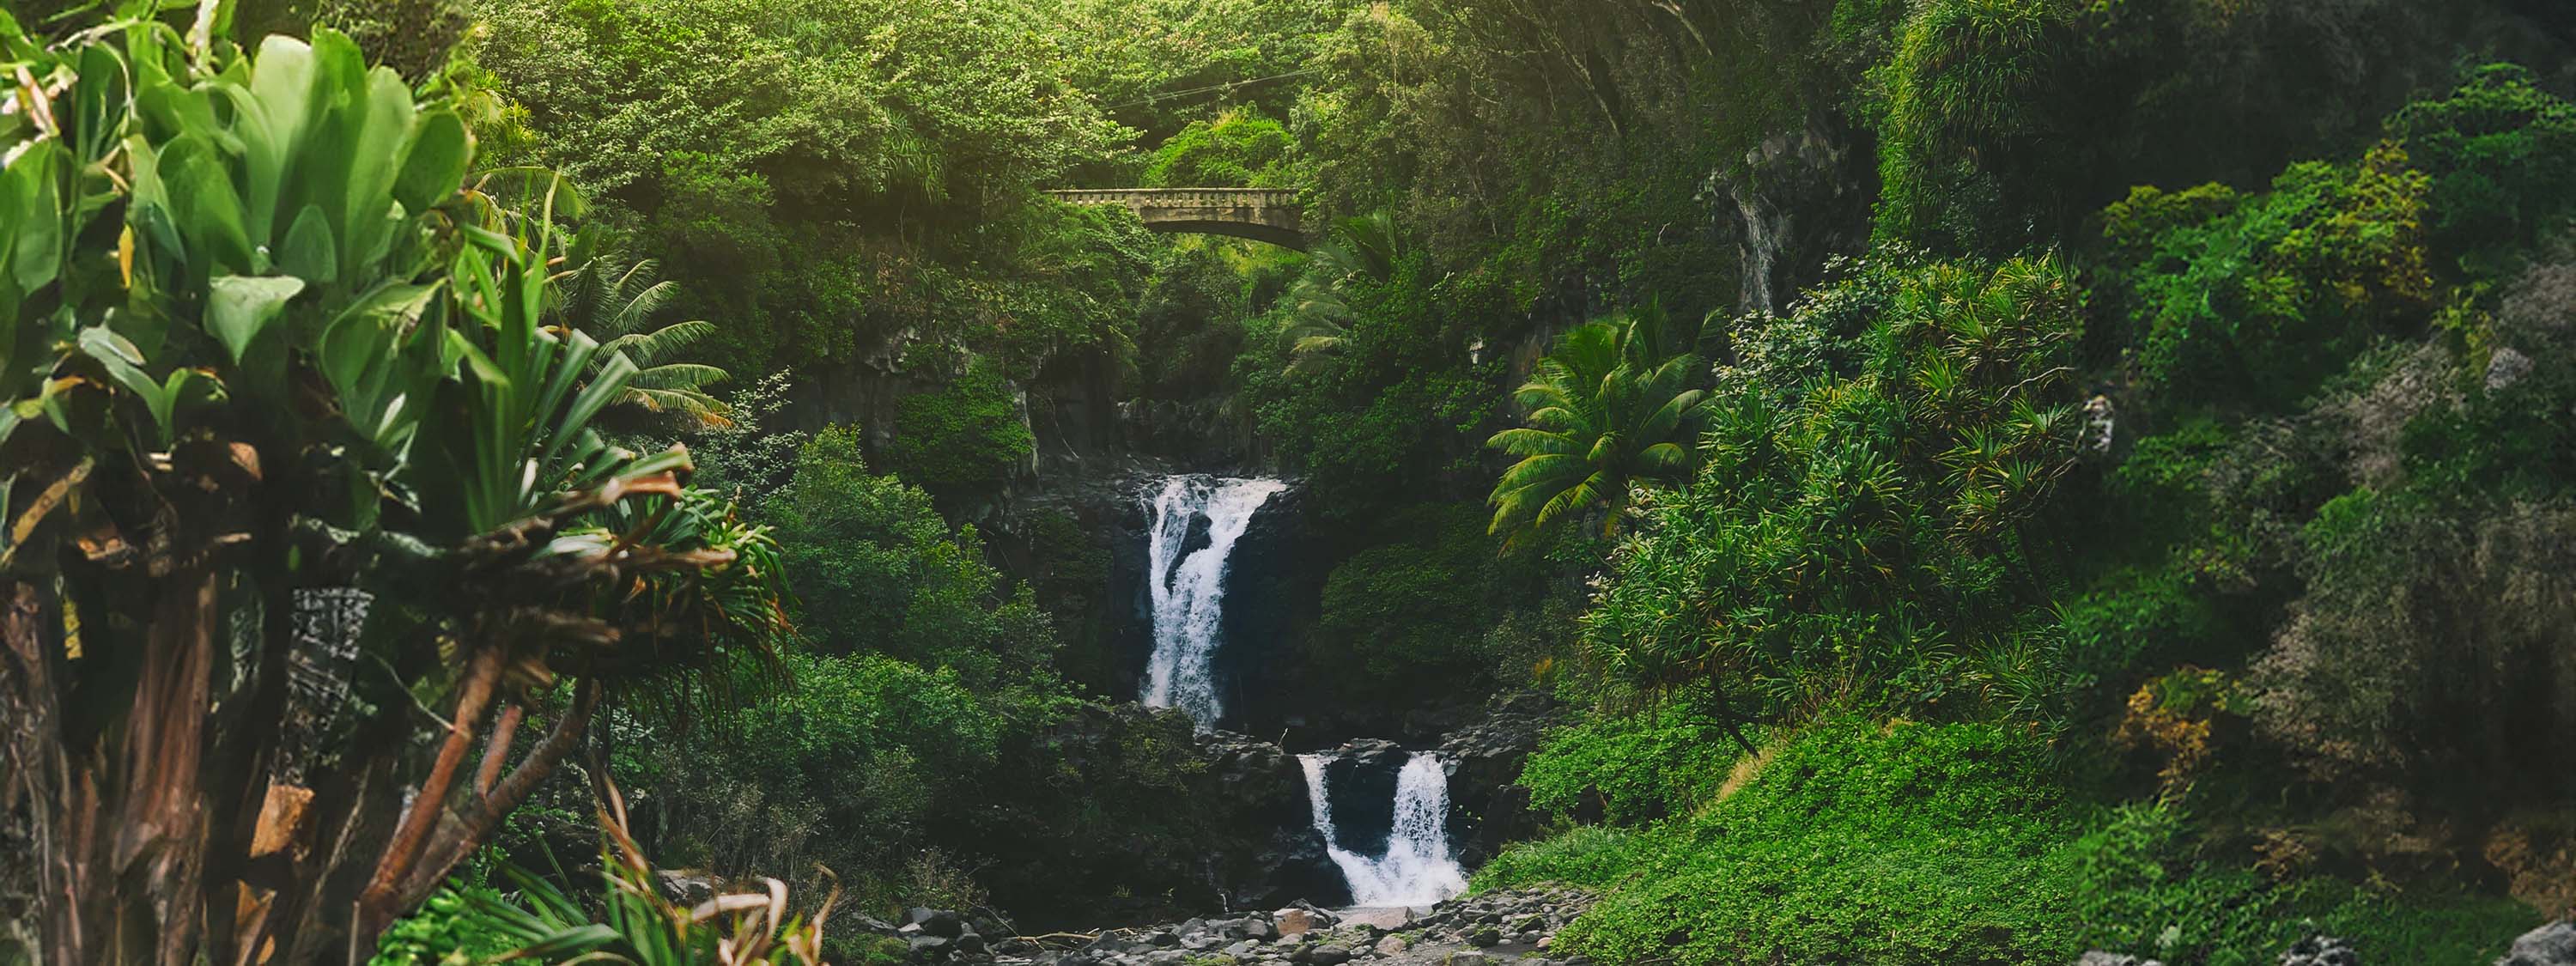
1612,407
289,445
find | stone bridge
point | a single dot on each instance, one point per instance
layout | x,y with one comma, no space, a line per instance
1261,214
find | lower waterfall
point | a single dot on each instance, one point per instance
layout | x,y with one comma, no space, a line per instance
1417,869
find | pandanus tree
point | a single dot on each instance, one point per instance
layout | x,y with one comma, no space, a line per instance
302,502
1611,408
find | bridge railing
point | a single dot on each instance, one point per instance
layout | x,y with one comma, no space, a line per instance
1181,197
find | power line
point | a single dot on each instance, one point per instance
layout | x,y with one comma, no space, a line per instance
1216,87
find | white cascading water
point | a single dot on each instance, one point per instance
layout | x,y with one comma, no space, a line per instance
1188,598
1416,869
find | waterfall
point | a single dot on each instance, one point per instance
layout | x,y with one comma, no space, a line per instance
1416,869
1189,592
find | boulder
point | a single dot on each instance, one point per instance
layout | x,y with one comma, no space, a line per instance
1327,955
2550,945
930,947
2100,958
1485,937
1293,920
967,943
2321,950
687,887
937,922
1243,948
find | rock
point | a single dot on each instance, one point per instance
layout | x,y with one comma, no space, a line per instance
1529,938
2506,367
1392,945
937,922
2321,950
967,943
1242,949
1328,955
1294,920
1487,936
683,886
930,946
2100,958
2550,945
1464,957
1162,937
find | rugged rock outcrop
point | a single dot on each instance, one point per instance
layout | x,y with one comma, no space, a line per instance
1487,805
2550,945
1173,822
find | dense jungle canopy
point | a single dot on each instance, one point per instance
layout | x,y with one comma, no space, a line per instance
1832,481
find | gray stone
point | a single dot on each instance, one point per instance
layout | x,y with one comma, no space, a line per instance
2100,958
1392,945
930,945
937,922
2321,950
1328,955
2550,945
1487,936
2506,367
968,943
1242,948
1465,957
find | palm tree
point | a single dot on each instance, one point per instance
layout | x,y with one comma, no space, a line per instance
1363,249
622,301
1612,407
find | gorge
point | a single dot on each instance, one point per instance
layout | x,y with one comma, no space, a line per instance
1404,859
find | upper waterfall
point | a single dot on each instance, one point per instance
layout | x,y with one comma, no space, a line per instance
1189,591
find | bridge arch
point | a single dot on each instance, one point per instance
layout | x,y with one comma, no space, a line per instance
1260,214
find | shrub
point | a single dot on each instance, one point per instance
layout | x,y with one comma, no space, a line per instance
1860,527
876,568
2252,300
1630,768
1858,842
1396,613
966,433
1238,149
2146,886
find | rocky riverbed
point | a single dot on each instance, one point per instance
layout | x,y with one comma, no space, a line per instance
1493,929
1486,930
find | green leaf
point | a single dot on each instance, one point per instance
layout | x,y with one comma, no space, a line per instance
241,308
34,210
434,166
311,253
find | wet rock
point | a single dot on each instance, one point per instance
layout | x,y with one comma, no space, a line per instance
2550,945
930,947
967,943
